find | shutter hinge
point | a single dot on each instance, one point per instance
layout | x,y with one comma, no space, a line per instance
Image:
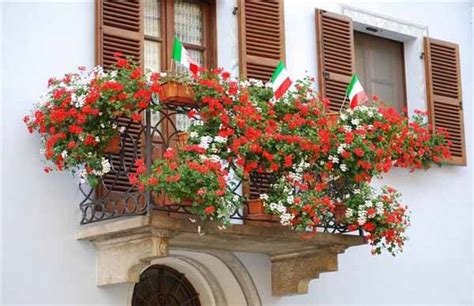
460,105
235,10
326,75
422,55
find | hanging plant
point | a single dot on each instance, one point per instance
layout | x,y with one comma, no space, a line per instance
196,182
76,117
382,216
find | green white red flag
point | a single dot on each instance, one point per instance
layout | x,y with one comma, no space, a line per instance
181,55
356,92
280,80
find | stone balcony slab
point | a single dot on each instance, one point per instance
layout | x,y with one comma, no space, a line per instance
126,246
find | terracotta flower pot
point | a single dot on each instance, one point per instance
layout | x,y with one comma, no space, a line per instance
332,119
175,93
256,211
340,212
114,145
256,207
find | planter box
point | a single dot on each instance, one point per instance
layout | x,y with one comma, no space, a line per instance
178,94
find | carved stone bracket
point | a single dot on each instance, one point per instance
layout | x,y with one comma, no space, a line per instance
126,247
291,274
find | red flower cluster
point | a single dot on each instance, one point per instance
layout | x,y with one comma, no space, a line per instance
77,116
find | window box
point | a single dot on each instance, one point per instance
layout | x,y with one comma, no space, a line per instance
178,94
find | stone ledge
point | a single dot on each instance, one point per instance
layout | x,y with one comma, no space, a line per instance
126,246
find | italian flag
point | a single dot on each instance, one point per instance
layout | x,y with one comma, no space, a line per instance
356,92
180,55
280,80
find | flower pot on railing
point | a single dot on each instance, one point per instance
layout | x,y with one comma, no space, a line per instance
332,119
178,94
114,145
340,212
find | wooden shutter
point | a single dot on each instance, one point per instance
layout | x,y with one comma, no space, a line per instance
335,45
119,28
261,37
443,86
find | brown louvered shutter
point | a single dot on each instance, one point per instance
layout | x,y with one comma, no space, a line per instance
118,29
443,86
336,62
261,37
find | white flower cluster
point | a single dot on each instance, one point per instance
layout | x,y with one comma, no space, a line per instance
106,167
255,83
333,159
286,218
209,142
301,167
279,208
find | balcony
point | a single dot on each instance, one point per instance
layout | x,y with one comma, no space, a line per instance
130,228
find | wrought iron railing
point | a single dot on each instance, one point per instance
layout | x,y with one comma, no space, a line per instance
116,197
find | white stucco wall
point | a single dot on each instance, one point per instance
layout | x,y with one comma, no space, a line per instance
44,264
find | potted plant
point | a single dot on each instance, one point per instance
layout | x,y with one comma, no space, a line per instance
381,215
178,90
76,117
190,181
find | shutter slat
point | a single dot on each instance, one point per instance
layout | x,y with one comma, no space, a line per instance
335,45
261,37
444,94
119,28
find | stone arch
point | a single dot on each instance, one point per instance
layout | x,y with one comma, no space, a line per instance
219,277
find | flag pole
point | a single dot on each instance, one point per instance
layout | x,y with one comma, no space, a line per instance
171,65
343,103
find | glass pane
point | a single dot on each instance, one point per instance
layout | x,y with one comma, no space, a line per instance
152,18
182,122
188,22
152,55
197,56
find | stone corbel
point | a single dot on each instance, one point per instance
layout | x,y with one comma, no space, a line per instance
291,273
122,259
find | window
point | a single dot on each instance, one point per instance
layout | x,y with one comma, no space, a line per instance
192,22
163,286
379,63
